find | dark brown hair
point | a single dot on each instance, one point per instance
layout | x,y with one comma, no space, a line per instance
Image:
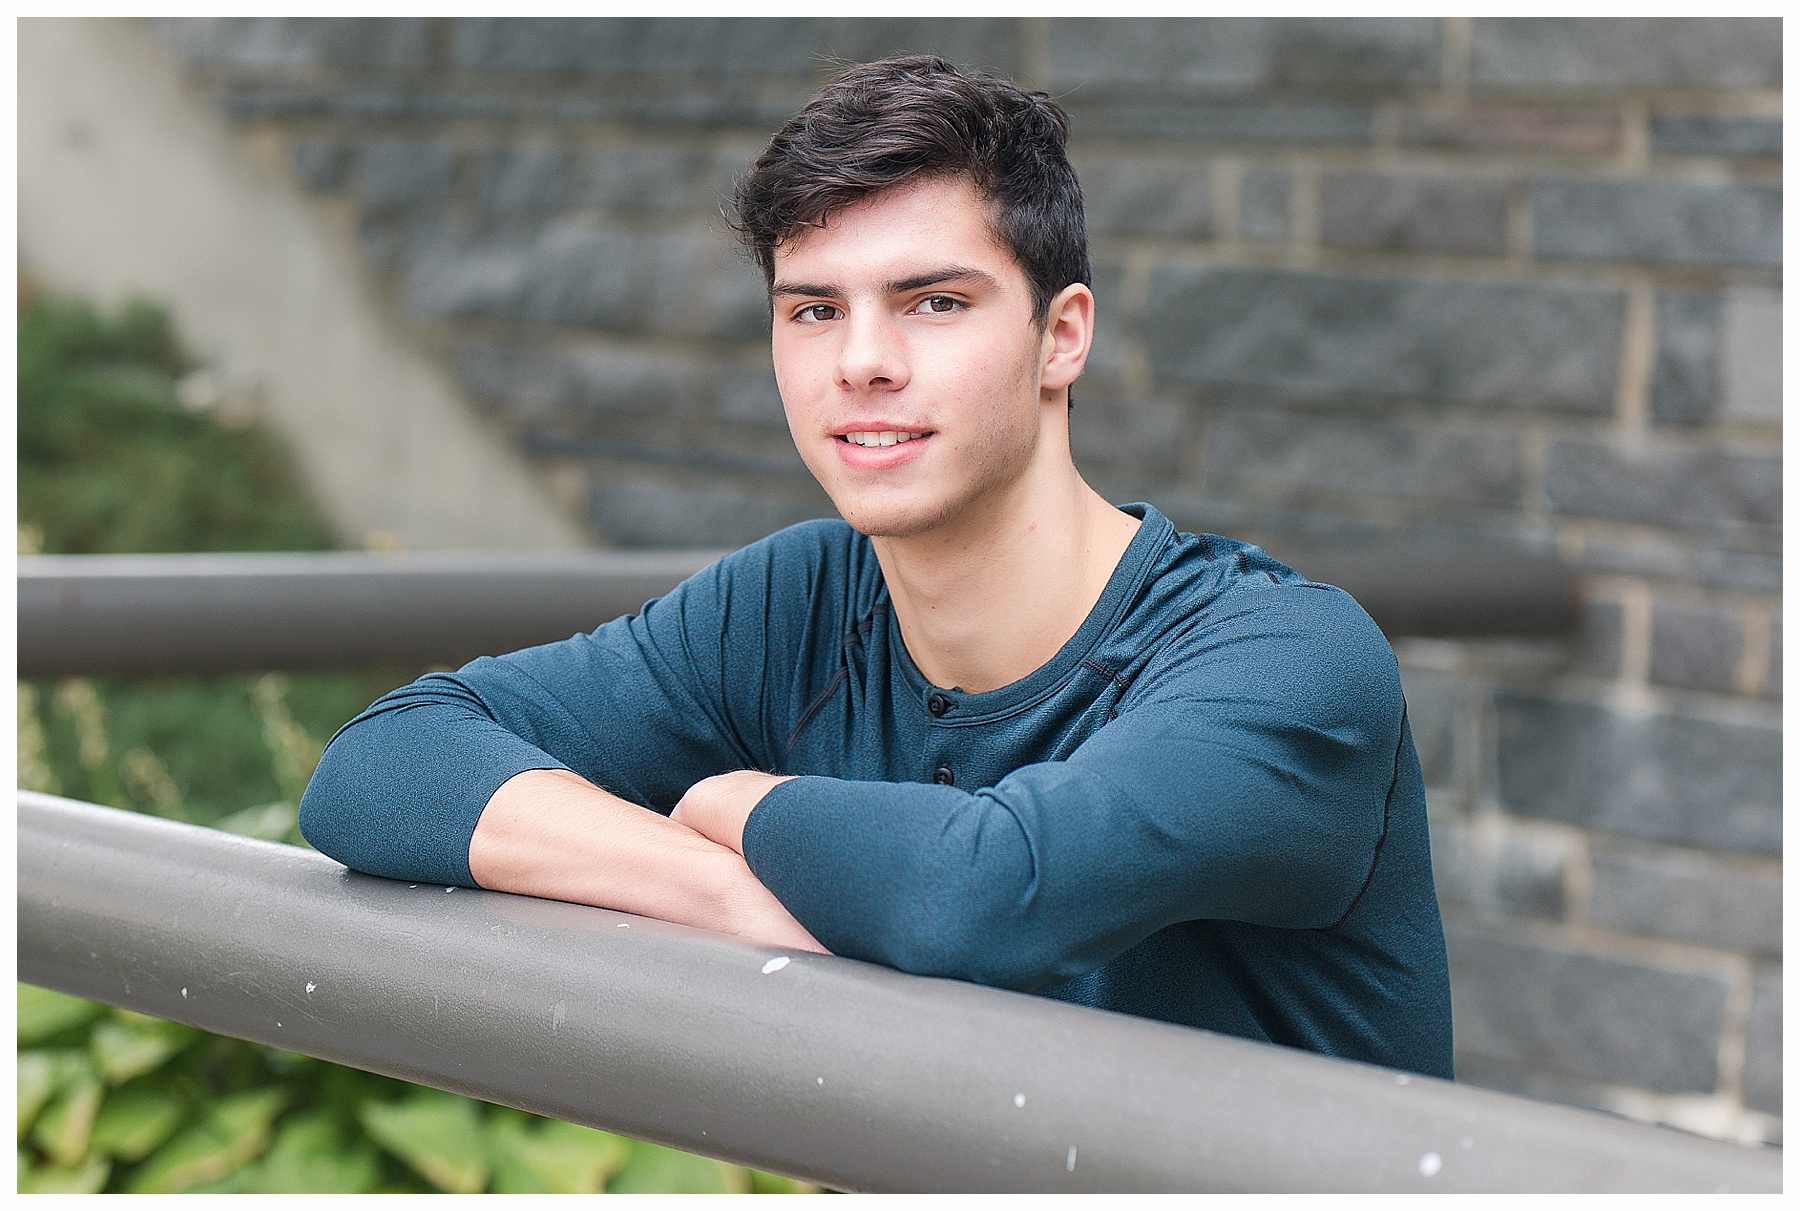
885,123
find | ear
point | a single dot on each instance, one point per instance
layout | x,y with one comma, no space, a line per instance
1068,334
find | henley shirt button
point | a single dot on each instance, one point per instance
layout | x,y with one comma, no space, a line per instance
937,704
945,776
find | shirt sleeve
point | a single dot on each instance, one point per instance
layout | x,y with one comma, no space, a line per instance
697,683
1245,777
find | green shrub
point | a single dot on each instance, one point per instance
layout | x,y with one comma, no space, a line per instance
111,460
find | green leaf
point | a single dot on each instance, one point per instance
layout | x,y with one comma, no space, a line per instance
123,1050
133,1121
41,1074
270,822
535,1156
438,1134
774,1183
309,1156
63,1128
654,1169
234,1132
87,1178
43,1013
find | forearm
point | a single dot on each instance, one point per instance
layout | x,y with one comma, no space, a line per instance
552,834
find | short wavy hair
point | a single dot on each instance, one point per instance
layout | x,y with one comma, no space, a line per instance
885,123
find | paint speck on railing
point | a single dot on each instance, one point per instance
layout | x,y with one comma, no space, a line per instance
1430,1164
623,925
310,986
448,890
776,964
1019,1100
821,1080
1070,1163
184,994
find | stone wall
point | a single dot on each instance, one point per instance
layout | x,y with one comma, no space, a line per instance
1505,282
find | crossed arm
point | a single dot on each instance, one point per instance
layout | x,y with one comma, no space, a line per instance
553,834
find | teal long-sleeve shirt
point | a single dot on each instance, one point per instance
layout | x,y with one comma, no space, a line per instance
1205,809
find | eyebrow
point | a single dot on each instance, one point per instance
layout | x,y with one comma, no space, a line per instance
931,277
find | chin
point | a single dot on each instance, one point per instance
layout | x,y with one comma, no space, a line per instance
898,519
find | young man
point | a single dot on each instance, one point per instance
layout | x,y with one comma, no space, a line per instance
993,727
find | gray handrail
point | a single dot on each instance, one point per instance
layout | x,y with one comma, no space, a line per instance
841,1072
136,614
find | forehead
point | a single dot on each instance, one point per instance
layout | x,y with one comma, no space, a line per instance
935,221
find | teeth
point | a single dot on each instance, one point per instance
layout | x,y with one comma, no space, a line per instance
887,437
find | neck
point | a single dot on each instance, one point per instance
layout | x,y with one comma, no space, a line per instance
991,596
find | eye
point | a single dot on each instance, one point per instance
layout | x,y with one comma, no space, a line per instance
816,313
938,304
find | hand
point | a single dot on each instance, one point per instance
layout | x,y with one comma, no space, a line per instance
717,807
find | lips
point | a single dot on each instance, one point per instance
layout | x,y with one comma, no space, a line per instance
871,446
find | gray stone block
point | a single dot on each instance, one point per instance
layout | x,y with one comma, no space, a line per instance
645,178
542,386
1772,687
1265,205
525,180
1640,555
321,166
1750,356
1695,647
381,239
1412,213
1239,54
1707,135
657,515
1685,387
400,175
1744,571
562,274
1762,1058
294,43
1684,779
1605,53
1499,870
360,104
1114,325
1137,196
725,46
1586,132
638,381
1096,120
1600,645
988,43
376,42
1608,1019
1386,458
1328,337
1437,706
1137,435
1688,896
749,396
1658,221
528,382
736,306
1682,487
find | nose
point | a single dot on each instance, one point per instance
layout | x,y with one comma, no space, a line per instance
873,355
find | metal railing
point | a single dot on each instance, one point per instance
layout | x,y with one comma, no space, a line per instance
131,614
844,1073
